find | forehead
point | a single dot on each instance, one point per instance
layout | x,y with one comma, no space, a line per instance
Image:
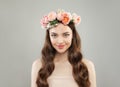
60,28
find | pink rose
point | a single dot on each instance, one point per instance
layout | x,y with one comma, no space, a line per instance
76,18
52,16
66,18
44,21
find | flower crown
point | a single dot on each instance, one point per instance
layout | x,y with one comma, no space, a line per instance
53,18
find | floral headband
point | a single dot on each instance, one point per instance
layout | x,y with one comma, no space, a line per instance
53,18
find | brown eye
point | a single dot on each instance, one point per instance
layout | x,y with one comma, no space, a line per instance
54,35
66,35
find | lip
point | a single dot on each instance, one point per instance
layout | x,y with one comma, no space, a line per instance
60,46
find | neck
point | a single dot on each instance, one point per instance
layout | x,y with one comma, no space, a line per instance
61,57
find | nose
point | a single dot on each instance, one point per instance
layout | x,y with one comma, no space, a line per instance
60,40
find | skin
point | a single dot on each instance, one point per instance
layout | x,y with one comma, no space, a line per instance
61,36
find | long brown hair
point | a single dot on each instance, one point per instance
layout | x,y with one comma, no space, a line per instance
79,69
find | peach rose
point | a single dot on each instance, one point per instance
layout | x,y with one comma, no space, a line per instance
76,18
66,18
52,16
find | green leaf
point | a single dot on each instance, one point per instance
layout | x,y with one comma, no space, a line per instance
53,22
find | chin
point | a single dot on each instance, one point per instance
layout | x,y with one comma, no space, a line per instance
61,51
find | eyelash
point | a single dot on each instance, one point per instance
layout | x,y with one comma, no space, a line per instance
54,35
66,34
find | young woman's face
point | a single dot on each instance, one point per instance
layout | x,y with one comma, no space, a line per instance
61,37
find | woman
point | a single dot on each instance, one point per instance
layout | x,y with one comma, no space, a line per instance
62,63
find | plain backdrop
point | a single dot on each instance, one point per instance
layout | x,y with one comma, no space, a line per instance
22,38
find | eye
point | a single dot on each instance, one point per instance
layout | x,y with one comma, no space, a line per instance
54,35
66,35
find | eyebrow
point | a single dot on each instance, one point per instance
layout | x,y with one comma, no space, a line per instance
63,33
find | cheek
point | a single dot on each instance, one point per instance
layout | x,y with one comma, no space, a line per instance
69,40
52,41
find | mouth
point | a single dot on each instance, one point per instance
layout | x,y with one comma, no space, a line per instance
60,46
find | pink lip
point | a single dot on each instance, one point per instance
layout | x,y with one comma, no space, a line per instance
60,46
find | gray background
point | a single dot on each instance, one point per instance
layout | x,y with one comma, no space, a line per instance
21,37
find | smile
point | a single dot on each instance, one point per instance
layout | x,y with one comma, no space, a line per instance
60,46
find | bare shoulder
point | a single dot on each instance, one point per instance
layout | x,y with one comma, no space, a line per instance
91,70
36,65
90,66
88,62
